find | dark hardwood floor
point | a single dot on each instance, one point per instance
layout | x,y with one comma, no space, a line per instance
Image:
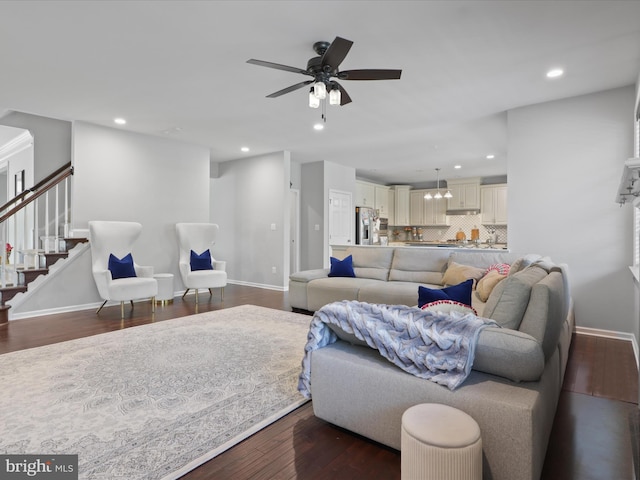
595,433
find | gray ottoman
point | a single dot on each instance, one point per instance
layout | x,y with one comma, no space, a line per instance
439,442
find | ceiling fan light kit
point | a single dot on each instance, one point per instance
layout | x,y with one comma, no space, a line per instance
324,69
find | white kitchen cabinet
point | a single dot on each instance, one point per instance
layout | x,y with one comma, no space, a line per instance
493,208
466,194
416,207
365,194
382,200
427,212
402,204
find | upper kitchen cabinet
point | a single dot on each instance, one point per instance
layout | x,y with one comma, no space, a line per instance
466,194
401,204
427,212
493,208
382,200
365,194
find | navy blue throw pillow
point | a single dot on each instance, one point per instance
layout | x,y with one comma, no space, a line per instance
201,261
458,293
342,268
121,267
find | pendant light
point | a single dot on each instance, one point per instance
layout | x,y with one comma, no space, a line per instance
438,195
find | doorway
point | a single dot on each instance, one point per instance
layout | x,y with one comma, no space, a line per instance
341,218
294,233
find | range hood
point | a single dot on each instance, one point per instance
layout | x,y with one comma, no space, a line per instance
463,211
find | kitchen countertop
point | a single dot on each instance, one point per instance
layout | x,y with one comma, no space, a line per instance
451,246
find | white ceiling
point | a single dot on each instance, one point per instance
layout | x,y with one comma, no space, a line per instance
178,69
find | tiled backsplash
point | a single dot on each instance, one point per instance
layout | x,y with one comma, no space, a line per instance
444,233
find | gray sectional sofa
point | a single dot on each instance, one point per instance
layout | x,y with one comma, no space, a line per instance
517,375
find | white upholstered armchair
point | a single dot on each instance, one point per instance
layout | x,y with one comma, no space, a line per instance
111,244
198,270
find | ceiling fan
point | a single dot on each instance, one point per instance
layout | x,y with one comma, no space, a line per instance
324,70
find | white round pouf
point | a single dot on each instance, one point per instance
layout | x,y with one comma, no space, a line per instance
440,442
165,287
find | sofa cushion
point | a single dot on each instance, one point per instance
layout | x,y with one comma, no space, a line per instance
506,353
509,299
457,273
418,265
371,262
391,293
342,268
482,259
487,283
459,293
334,289
546,312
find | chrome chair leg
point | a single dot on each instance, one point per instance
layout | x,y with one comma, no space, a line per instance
196,296
153,304
121,310
222,294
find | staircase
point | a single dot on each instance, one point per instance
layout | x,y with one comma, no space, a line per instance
26,275
40,210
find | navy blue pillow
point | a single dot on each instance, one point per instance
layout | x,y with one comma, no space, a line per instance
121,267
342,268
458,293
202,261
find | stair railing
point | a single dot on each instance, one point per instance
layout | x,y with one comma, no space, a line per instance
19,224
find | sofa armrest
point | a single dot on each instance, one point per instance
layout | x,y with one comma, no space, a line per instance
306,276
510,354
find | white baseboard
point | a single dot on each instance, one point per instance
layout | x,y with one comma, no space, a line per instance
259,285
89,306
598,332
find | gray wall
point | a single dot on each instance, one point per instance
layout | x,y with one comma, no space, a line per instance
52,140
565,164
317,179
127,176
247,198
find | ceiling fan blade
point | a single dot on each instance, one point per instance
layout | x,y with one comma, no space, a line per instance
290,89
344,96
370,74
277,66
336,52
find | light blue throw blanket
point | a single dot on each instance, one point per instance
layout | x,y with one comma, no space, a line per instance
436,346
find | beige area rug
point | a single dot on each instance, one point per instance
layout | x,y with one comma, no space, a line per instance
154,401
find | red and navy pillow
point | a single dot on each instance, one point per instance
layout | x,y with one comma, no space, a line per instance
458,293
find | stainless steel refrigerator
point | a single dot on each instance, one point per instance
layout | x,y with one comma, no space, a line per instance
365,225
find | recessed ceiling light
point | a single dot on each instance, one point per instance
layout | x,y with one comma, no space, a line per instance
119,121
245,149
457,167
555,73
490,156
318,126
